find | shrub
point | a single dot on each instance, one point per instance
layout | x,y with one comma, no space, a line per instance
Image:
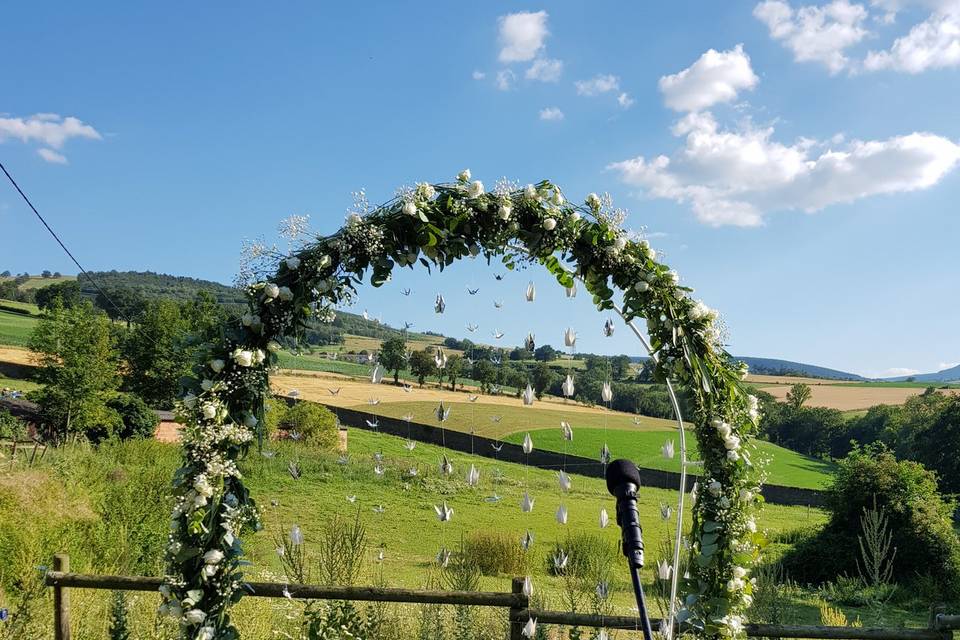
919,518
314,422
11,427
586,552
495,553
139,420
274,414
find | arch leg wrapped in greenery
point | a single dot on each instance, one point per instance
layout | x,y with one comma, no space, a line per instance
435,225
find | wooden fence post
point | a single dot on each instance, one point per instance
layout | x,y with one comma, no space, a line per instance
515,614
61,600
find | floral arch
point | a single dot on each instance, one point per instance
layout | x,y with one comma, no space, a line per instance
437,225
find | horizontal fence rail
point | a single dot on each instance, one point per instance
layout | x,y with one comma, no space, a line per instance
516,603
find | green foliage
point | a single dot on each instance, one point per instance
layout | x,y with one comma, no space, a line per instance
11,427
495,553
586,552
798,394
68,293
545,353
393,356
422,365
77,362
314,422
543,378
157,353
119,625
919,520
453,370
139,420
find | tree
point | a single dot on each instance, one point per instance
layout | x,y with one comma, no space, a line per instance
5,274
485,373
422,365
798,394
67,292
620,367
77,365
46,273
393,356
545,353
454,369
937,446
120,303
543,378
157,353
139,420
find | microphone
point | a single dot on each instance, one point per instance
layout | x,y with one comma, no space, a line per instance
623,481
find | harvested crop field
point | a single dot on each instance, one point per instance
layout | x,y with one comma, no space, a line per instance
848,397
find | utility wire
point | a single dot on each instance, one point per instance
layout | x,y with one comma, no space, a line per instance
63,246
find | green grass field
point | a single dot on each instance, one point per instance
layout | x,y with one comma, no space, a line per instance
15,328
785,467
37,282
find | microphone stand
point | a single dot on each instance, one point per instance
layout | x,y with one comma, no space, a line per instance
629,521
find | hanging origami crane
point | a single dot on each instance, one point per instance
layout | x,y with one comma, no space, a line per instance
444,513
528,395
608,327
473,292
564,479
473,476
531,292
527,444
604,519
529,344
526,541
607,392
526,505
440,305
567,430
377,375
572,290
568,387
562,514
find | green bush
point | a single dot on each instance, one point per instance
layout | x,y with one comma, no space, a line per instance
274,415
495,553
139,420
919,519
586,554
315,423
11,427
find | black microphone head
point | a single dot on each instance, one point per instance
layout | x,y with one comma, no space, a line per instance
620,472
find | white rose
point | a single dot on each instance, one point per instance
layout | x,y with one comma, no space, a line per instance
575,215
505,211
723,429
271,290
739,572
593,201
209,411
620,243
464,176
259,356
202,486
250,421
731,442
475,189
325,261
549,224
214,556
189,401
746,495
243,357
354,218
286,294
207,384
641,287
292,263
530,192
217,365
207,633
751,525
557,198
652,254
209,570
273,346
733,456
409,209
194,616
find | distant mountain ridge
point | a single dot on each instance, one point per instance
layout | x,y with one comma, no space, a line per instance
777,367
946,375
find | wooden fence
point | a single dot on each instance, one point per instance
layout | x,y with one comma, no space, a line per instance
516,603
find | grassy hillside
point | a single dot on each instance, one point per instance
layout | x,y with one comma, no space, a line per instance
15,328
36,282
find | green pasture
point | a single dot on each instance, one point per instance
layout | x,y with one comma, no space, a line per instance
784,467
15,328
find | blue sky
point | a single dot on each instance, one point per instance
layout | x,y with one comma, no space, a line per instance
796,163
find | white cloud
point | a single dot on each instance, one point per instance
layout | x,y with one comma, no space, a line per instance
737,177
597,85
46,128
815,33
717,76
625,100
551,114
947,365
893,372
479,75
52,156
522,35
545,70
505,78
931,44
